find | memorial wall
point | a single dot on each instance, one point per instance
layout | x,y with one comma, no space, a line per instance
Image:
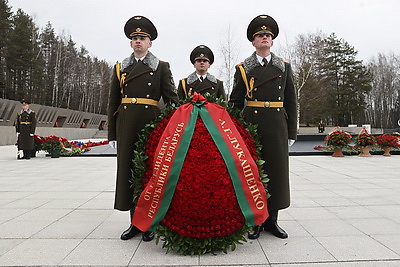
70,124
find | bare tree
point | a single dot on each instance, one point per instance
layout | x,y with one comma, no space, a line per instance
230,54
383,107
303,58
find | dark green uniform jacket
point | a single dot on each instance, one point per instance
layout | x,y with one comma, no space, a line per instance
275,125
150,79
210,85
25,126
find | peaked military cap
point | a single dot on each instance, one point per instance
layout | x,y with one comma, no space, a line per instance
24,101
202,52
262,24
140,26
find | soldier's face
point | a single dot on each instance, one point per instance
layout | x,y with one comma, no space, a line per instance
201,65
140,44
262,41
25,106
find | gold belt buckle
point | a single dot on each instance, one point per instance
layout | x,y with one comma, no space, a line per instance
267,104
134,100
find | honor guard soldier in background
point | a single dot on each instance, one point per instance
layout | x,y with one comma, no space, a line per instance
25,126
138,83
201,81
263,88
321,127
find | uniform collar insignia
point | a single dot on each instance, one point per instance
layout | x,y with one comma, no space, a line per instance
193,77
278,62
27,111
211,78
251,62
150,60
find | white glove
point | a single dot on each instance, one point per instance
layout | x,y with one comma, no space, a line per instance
290,142
31,134
113,144
17,134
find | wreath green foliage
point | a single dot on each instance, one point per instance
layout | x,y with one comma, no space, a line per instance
172,241
194,246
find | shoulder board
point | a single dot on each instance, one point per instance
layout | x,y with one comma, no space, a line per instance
240,64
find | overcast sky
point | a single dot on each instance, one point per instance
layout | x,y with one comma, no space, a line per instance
370,26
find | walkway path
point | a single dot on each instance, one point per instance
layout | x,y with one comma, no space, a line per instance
59,212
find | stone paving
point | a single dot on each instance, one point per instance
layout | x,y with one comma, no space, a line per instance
59,212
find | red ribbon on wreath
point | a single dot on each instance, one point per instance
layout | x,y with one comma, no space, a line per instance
170,155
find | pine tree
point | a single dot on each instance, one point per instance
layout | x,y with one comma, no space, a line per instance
345,80
21,56
5,28
48,69
48,52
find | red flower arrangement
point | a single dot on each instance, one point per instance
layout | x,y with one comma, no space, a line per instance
387,140
204,203
338,138
87,145
204,215
53,143
364,138
38,140
68,148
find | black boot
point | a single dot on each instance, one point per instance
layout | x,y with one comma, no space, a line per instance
256,232
27,154
131,231
147,236
271,225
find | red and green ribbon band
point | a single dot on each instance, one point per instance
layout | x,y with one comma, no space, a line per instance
170,154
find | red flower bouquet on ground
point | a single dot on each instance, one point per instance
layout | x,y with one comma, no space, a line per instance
204,215
39,140
52,143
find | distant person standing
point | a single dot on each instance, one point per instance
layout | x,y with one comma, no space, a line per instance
138,83
25,127
201,81
263,87
321,127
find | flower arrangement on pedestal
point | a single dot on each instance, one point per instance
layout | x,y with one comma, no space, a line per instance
338,139
204,215
364,141
386,142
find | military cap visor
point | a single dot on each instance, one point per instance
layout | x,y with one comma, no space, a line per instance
262,24
202,52
202,58
24,101
140,26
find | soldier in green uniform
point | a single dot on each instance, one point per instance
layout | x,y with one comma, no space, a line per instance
25,127
201,81
263,88
138,83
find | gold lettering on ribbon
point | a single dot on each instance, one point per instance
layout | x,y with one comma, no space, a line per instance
246,167
161,169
